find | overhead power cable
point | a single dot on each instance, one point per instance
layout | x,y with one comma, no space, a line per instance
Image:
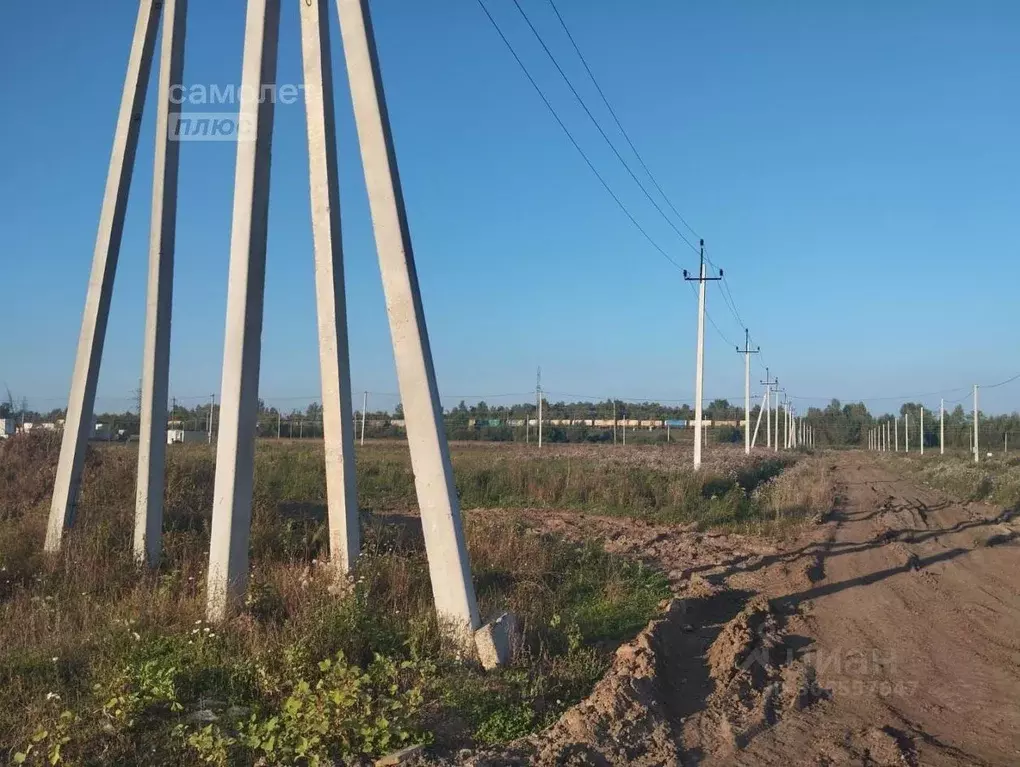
616,119
599,128
570,136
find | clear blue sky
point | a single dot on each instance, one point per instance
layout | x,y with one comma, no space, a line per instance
855,169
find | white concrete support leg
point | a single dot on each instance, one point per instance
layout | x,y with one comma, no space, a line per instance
977,448
449,567
777,423
331,305
235,448
699,379
942,427
148,537
768,417
922,431
761,410
896,434
906,433
82,399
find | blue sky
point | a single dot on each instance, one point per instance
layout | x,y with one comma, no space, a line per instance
853,167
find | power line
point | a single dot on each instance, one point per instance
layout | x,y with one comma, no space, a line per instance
570,136
598,126
616,119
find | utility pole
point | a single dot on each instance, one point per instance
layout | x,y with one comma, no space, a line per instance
699,381
896,433
942,427
278,424
84,380
922,429
625,427
449,564
747,351
364,415
767,406
776,442
906,432
212,411
769,383
976,445
538,396
614,421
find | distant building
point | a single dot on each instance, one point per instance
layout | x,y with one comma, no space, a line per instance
178,433
8,427
179,436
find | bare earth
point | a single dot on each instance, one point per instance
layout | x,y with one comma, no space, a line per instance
888,634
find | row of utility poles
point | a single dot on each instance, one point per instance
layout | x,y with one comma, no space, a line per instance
879,436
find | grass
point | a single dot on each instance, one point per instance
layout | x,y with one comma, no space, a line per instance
995,479
101,663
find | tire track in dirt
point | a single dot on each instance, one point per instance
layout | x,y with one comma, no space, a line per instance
885,635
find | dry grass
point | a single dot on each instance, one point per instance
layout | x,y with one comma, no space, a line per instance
995,479
85,628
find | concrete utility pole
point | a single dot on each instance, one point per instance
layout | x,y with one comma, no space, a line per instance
747,351
82,399
922,430
364,415
614,421
906,432
330,299
776,444
767,405
212,415
624,427
699,380
149,489
942,427
449,567
896,433
235,449
977,446
538,397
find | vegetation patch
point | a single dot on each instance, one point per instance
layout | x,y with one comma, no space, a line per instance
101,663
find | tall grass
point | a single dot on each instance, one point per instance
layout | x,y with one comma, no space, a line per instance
103,663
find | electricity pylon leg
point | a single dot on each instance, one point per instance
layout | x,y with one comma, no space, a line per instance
162,235
235,448
82,400
449,567
334,357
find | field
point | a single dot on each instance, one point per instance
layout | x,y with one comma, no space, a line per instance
101,663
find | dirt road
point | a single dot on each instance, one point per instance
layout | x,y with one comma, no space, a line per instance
889,634
911,621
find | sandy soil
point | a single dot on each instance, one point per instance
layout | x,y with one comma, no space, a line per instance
887,634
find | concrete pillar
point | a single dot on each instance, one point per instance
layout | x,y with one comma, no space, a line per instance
334,358
449,568
81,402
699,380
235,447
159,300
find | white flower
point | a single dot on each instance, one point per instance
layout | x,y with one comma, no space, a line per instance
136,635
54,659
52,696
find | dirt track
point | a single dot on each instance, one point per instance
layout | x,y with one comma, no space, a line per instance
889,634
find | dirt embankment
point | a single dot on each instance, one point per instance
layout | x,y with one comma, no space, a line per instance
888,634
